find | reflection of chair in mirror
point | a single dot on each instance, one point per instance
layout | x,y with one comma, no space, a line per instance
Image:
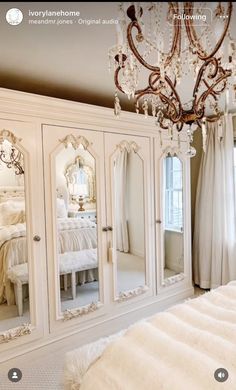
18,275
69,263
72,262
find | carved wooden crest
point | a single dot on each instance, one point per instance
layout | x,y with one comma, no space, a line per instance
75,141
7,134
129,146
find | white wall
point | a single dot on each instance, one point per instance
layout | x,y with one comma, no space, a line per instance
135,204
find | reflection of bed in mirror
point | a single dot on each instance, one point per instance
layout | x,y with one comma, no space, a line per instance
14,291
13,255
75,236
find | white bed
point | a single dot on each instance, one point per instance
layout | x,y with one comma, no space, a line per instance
177,349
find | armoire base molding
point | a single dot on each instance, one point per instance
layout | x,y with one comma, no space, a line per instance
102,328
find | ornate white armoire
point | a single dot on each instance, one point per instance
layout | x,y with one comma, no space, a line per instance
102,228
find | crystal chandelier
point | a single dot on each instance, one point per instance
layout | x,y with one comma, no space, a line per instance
196,59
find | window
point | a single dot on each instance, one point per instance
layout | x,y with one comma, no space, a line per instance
173,194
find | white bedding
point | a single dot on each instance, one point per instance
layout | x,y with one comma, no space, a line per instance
74,223
11,231
177,349
8,232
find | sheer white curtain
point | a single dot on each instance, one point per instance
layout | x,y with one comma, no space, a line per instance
214,244
122,238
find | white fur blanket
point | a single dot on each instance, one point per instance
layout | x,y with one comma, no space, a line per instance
178,349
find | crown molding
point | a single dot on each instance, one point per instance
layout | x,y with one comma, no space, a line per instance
55,111
48,107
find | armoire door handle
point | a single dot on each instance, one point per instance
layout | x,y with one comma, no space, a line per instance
107,228
158,221
37,238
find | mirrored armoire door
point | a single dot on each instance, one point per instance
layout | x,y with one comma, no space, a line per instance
75,202
173,214
127,160
22,241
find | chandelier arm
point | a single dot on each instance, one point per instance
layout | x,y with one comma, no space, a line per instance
116,78
167,101
14,162
213,93
205,94
18,168
212,60
134,24
218,92
176,43
17,156
152,81
192,35
179,126
172,86
117,84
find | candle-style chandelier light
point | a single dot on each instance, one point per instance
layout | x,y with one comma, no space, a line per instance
195,35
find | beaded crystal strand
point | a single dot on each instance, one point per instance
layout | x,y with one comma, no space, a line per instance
117,106
191,151
204,134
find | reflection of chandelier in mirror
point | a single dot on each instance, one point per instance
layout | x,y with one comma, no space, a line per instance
11,157
189,30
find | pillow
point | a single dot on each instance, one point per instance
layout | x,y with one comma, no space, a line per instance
11,213
61,208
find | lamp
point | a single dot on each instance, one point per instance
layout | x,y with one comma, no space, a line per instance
79,190
142,33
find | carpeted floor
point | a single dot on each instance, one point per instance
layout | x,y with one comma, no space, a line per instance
42,369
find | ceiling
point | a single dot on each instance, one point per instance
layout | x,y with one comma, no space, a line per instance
69,61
